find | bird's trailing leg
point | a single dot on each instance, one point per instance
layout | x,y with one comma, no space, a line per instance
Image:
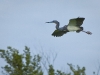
88,32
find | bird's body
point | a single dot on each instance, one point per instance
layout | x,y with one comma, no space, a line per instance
73,28
74,25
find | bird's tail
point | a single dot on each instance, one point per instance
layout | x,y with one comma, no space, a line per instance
81,29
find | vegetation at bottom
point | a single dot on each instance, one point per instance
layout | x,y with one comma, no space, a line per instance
27,64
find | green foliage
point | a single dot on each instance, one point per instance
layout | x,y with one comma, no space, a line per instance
21,64
25,64
79,71
62,73
51,70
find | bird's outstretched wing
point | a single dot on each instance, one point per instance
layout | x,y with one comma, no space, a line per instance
76,21
58,33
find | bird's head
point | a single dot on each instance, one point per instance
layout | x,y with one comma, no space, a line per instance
54,21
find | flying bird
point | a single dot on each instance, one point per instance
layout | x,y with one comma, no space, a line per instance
75,24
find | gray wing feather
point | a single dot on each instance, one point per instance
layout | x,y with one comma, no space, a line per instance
76,21
58,33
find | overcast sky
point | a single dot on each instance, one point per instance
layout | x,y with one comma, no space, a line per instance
22,23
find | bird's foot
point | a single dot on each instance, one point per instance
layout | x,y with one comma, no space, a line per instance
88,32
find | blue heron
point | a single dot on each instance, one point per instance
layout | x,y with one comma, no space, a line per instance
74,25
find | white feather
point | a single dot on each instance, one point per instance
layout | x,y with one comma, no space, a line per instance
73,28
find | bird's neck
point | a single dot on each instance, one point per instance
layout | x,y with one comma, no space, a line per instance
57,25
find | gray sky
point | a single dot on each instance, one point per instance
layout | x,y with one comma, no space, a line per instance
22,23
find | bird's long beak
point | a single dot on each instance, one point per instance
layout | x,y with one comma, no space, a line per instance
49,22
